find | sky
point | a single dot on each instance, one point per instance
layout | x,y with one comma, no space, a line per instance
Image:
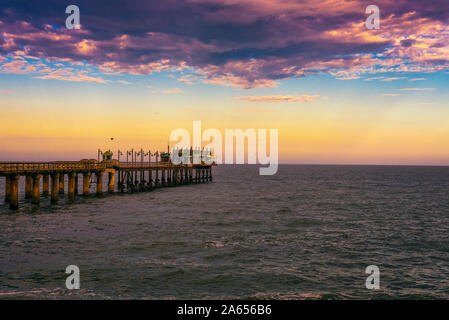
337,92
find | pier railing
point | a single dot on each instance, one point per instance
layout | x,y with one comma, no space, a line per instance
12,167
56,166
137,165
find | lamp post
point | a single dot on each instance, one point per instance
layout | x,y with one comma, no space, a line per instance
156,182
129,153
100,153
146,154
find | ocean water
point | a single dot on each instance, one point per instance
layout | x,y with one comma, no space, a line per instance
308,232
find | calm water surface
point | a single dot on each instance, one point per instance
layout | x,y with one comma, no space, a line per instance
307,232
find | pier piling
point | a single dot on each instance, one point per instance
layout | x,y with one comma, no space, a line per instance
14,192
86,183
54,187
71,186
111,183
61,183
28,186
35,198
7,188
76,182
45,184
99,175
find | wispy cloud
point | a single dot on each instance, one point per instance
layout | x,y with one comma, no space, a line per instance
417,79
373,78
123,82
5,91
393,79
348,78
278,99
255,110
171,91
186,79
75,78
417,89
391,94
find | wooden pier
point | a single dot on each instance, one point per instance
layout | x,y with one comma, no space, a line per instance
122,176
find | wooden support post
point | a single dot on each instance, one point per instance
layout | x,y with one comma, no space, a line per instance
156,181
142,181
7,188
86,183
210,173
28,186
54,187
111,183
99,175
71,185
163,178
61,183
130,183
14,193
76,183
119,178
150,178
36,189
134,180
45,184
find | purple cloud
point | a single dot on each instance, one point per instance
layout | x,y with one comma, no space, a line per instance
245,44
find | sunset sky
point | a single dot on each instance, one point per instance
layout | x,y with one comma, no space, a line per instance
136,70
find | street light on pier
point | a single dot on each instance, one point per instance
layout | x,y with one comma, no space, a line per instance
130,153
119,153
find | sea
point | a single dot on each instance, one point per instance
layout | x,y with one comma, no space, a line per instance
308,232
